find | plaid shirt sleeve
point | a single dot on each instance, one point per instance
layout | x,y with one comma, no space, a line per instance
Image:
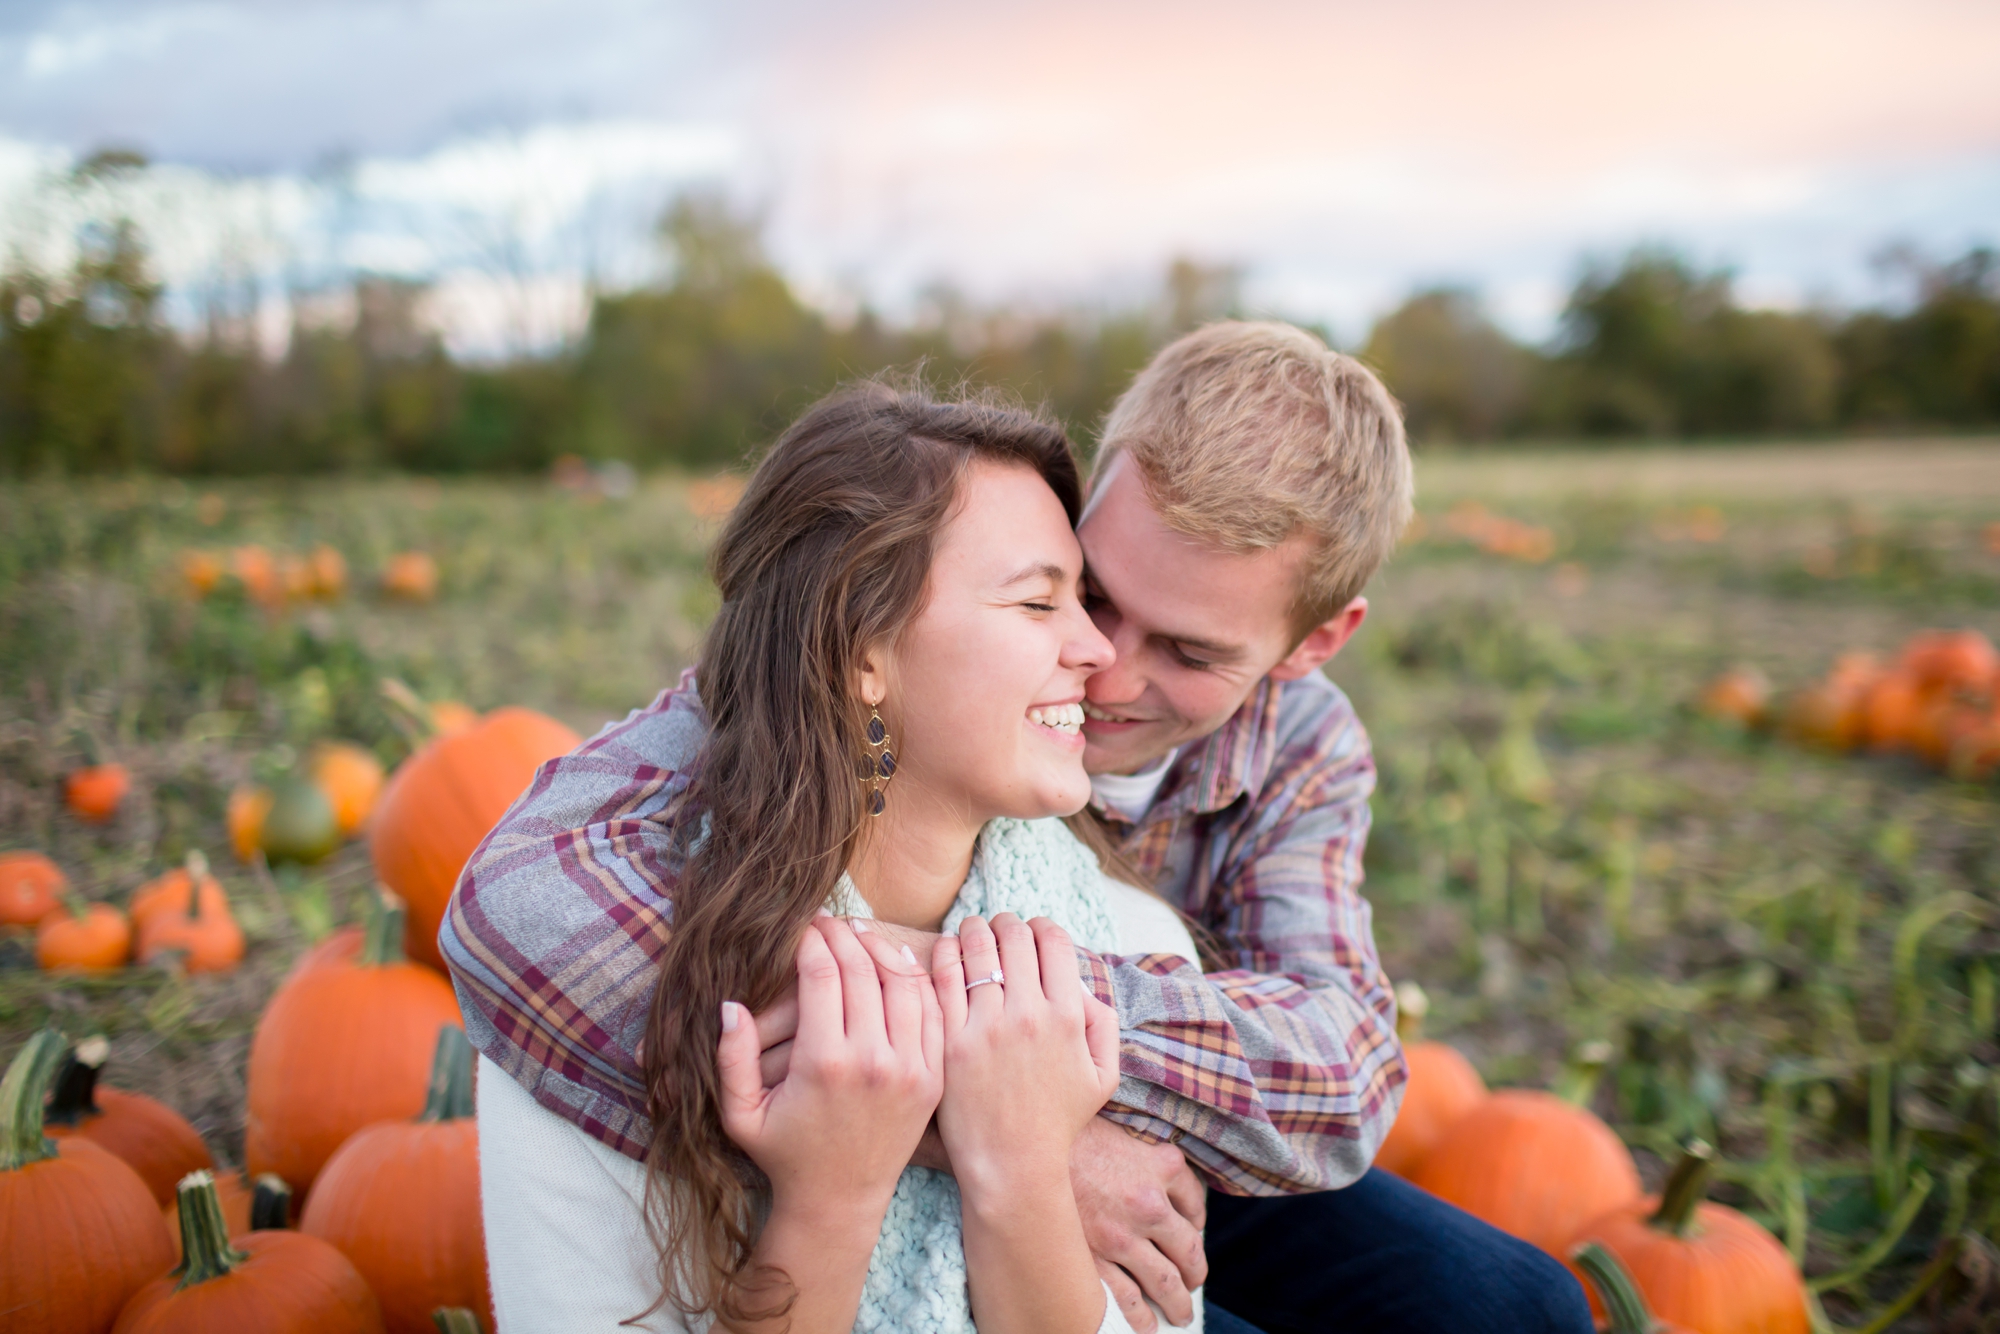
554,934
1282,1073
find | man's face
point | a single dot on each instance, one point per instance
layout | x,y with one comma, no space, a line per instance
1195,627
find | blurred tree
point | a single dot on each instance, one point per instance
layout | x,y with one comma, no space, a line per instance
1656,348
1940,363
1458,376
81,361
1198,293
702,367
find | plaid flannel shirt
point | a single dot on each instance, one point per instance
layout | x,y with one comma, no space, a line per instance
1280,1074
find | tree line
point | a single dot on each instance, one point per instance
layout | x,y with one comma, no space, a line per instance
696,370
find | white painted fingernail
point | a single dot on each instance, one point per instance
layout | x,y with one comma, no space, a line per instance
909,955
824,911
731,1016
860,925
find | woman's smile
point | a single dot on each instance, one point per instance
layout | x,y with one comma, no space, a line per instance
1062,721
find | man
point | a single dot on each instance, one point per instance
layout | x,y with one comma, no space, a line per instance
1249,484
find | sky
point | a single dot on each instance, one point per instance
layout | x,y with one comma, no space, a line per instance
1342,154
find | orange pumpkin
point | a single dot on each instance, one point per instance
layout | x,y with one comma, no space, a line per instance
401,1200
96,792
1442,1088
352,780
1975,756
1611,1289
31,887
85,939
448,716
201,571
340,946
153,1138
274,1282
1889,713
1703,1265
257,570
1945,719
411,576
248,804
81,1232
246,1207
174,892
327,571
1532,1164
443,800
203,933
1740,695
1952,660
345,1042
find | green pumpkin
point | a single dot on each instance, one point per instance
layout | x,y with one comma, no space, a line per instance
301,826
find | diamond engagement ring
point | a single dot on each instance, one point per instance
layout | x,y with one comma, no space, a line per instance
995,976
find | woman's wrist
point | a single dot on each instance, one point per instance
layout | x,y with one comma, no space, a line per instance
834,1210
998,1182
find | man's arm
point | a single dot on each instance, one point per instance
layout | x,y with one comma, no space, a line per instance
1283,1072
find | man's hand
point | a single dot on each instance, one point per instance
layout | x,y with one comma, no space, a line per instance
1143,1210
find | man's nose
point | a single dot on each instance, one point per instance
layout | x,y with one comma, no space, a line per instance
1118,681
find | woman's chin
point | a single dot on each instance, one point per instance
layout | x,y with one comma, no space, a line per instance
1066,798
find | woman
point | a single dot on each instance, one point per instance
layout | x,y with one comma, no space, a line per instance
894,685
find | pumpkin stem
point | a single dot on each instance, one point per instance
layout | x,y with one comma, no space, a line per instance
204,1232
456,1320
22,1089
1686,1188
197,871
75,1095
1412,1004
1615,1289
451,1077
382,940
409,714
270,1203
1578,1084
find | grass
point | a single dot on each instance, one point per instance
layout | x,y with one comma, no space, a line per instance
1790,953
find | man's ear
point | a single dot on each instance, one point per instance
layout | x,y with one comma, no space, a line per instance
1322,642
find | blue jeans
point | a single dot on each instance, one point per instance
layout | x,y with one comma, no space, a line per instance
1381,1255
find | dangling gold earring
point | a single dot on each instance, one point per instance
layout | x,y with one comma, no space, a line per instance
879,766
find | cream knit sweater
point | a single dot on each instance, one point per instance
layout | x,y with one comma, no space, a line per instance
565,1236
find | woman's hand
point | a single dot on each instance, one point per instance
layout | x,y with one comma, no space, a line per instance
1028,1061
867,1070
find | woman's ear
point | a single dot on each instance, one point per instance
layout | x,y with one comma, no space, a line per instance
871,678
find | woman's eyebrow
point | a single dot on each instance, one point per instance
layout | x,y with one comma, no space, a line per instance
1039,570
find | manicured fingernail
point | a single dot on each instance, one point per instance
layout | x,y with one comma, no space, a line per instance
860,925
909,955
824,911
731,1016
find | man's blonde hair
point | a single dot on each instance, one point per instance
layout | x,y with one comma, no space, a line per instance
1244,434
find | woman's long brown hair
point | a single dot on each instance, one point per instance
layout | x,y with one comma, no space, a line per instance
827,554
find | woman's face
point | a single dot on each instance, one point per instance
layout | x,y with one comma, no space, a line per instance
984,689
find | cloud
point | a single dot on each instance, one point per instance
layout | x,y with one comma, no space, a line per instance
1341,152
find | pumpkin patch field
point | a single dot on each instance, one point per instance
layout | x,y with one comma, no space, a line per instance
1709,991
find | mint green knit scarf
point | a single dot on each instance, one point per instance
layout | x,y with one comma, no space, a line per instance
1032,868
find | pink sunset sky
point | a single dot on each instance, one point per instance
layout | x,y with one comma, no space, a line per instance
1341,154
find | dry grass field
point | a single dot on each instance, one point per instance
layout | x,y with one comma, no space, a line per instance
1791,952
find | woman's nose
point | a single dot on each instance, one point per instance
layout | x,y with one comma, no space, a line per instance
1086,649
